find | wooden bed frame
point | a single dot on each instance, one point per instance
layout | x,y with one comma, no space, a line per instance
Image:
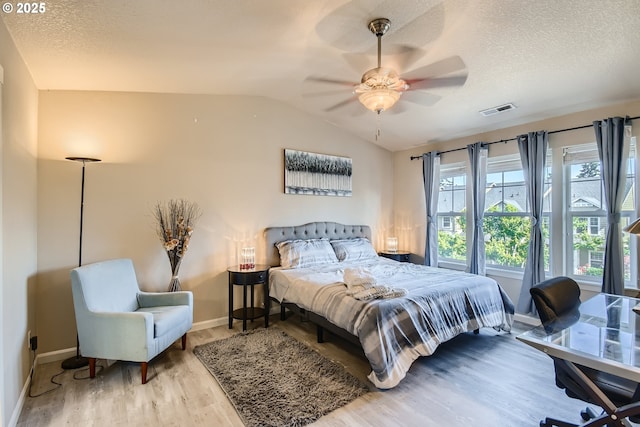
313,230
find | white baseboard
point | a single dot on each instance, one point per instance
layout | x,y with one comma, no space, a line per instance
529,320
213,323
23,395
53,356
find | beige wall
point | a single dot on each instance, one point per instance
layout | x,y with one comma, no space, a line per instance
409,210
224,153
18,217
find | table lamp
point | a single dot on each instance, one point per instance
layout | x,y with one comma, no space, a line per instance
392,244
248,259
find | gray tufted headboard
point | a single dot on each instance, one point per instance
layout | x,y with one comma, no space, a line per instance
312,230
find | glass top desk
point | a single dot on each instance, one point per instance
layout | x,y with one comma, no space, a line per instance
605,336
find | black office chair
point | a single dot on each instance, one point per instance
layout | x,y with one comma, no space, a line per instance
557,301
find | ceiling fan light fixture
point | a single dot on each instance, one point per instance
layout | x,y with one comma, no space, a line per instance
380,89
382,77
379,99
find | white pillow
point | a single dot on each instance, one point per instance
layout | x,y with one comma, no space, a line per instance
305,253
357,249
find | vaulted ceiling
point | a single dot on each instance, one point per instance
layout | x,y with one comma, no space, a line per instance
547,57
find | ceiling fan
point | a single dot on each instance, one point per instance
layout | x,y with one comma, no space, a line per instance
380,88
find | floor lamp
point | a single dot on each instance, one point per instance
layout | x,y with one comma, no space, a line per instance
78,361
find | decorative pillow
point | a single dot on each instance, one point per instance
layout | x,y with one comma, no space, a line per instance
357,249
305,253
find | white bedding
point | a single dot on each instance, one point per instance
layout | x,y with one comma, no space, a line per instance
439,304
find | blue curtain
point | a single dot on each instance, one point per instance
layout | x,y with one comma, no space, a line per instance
613,162
478,153
533,154
431,178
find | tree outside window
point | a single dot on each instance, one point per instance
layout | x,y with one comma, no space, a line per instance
506,237
585,244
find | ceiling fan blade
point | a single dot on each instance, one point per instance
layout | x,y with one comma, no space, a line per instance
330,81
420,98
340,104
436,82
405,57
325,93
359,62
440,68
398,108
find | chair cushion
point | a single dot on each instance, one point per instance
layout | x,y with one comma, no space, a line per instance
167,318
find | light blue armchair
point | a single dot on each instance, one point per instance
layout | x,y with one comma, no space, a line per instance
117,321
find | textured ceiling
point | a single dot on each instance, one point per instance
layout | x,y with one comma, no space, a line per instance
548,57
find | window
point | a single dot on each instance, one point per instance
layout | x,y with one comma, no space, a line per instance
586,212
447,224
546,212
506,217
596,259
589,225
452,205
574,219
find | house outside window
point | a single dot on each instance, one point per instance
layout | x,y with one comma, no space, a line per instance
447,223
596,259
590,225
586,212
452,208
507,217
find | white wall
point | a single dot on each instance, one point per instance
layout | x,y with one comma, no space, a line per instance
409,209
2,402
223,152
18,218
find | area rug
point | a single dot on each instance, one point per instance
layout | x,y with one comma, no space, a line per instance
274,380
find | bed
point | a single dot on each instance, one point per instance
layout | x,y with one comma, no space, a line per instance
424,306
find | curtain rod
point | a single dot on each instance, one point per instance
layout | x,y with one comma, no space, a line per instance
514,139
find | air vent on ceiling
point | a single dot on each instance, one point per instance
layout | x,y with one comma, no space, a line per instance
498,109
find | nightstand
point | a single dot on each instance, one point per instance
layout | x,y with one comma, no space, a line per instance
248,279
401,256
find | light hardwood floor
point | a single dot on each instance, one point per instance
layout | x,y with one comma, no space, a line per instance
490,379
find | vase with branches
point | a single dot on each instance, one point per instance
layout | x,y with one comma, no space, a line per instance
175,220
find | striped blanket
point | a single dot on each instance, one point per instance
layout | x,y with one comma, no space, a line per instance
438,305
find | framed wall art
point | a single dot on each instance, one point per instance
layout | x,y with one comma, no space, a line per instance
316,174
